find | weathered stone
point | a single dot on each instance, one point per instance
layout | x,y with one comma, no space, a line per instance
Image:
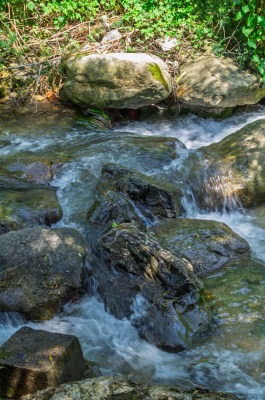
118,388
231,171
120,80
23,207
218,83
32,360
130,267
153,199
40,270
112,207
207,245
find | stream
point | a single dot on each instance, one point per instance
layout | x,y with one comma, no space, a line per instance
232,359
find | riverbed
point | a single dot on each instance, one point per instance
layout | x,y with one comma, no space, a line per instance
233,358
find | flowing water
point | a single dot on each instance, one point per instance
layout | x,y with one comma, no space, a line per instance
233,359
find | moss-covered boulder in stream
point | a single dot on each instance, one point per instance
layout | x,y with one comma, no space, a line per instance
119,388
231,171
32,360
23,207
158,292
207,245
116,80
40,270
217,85
153,199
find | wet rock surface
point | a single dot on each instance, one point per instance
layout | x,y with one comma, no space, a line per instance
32,360
117,388
121,80
153,199
113,208
23,207
40,270
230,172
135,272
207,245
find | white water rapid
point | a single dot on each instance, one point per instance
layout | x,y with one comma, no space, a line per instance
232,360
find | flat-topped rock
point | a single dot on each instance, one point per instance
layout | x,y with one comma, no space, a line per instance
40,270
32,360
116,80
207,245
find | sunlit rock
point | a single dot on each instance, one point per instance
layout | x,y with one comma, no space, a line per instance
116,80
32,360
40,270
217,84
231,172
118,388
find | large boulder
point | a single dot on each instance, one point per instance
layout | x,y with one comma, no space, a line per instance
153,199
118,388
217,84
140,280
32,360
116,80
207,245
23,207
229,172
40,270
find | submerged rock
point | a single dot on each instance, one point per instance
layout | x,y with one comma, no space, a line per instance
207,245
32,360
40,270
230,172
120,80
153,199
135,273
23,207
118,388
217,85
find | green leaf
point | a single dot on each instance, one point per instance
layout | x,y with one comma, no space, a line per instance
239,15
252,44
256,58
245,9
246,31
30,5
114,225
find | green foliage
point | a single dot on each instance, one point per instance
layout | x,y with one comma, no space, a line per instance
234,28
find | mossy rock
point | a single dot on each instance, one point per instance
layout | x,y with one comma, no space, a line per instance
207,245
40,270
120,80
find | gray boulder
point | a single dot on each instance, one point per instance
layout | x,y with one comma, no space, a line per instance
207,245
231,171
217,84
153,199
40,270
130,267
32,360
116,80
